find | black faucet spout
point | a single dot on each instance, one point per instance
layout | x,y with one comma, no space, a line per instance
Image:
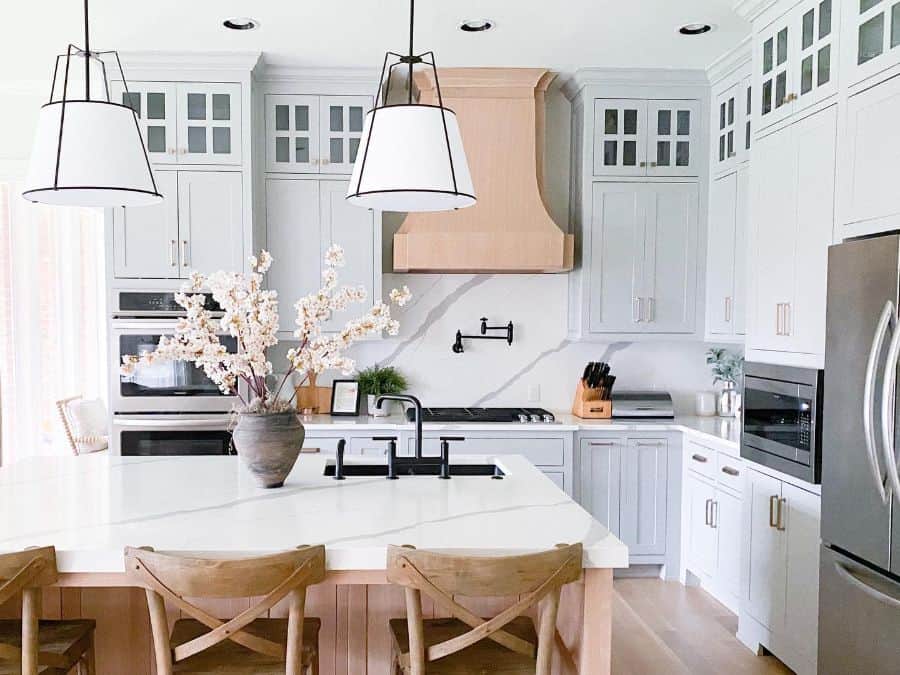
407,398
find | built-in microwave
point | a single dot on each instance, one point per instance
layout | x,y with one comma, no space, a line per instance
782,428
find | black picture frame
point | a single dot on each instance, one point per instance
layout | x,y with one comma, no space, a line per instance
346,412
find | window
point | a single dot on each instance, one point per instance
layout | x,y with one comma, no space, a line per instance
52,319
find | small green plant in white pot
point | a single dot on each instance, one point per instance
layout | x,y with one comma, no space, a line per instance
727,368
379,380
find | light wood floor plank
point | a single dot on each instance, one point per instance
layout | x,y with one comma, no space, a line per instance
664,627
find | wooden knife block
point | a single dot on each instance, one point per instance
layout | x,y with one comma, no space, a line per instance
588,404
313,398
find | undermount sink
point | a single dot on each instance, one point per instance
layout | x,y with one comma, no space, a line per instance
351,470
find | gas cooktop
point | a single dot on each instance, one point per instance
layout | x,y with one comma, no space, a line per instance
508,415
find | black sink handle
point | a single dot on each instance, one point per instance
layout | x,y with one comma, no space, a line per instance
391,455
339,460
445,455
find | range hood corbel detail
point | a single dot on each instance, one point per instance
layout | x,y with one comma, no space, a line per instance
501,117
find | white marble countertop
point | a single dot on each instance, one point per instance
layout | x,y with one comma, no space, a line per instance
91,507
726,430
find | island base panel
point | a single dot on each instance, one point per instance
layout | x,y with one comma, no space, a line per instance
354,639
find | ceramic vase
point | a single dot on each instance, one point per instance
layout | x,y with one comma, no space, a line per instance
269,445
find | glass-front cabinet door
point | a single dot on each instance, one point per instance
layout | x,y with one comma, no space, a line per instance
747,127
154,105
876,37
727,136
672,138
816,63
775,71
620,137
292,133
341,124
209,127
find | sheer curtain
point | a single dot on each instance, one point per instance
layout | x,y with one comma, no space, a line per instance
52,319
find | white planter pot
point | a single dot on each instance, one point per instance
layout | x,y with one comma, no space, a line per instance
386,407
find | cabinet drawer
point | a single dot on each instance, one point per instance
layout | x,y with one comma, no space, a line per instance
541,451
730,472
364,445
558,478
700,459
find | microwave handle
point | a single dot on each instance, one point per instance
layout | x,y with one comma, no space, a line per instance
887,319
170,423
888,411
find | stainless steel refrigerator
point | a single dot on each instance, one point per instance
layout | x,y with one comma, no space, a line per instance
859,583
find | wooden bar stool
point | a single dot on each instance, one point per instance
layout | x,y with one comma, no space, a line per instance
466,644
248,643
33,646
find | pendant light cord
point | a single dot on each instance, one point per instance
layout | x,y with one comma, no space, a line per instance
412,13
87,55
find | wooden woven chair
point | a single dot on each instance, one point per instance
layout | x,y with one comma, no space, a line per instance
246,644
33,646
467,644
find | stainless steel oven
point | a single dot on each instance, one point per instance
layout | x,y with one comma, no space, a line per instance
152,435
782,426
139,319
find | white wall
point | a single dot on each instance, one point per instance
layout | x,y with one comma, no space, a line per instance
20,101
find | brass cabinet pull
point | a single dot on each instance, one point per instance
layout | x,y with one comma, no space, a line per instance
772,500
699,458
172,253
649,444
778,319
728,311
713,512
780,514
787,318
643,164
706,516
184,253
605,444
653,165
636,312
730,471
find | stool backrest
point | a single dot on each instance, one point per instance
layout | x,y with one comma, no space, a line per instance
25,572
171,577
536,579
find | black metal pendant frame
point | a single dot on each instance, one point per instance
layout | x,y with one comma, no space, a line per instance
74,51
381,102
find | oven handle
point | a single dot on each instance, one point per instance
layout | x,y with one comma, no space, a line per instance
217,422
887,319
887,412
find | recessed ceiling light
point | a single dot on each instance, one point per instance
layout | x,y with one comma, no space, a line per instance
241,23
476,25
695,28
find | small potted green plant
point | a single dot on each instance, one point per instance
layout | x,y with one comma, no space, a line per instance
727,368
379,380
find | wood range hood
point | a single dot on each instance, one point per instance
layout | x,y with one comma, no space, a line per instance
508,230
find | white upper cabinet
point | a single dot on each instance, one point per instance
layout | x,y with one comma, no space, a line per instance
313,134
186,122
209,123
305,216
634,137
198,226
726,254
210,221
145,239
869,198
874,33
792,220
642,258
727,138
795,61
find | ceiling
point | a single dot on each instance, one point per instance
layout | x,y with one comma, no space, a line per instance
559,34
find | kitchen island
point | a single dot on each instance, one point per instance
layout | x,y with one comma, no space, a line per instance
91,507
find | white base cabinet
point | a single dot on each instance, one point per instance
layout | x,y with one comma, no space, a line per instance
625,482
711,518
779,594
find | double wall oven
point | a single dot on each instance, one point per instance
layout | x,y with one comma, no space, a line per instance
167,408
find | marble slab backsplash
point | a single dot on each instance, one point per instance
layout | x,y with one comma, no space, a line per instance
491,373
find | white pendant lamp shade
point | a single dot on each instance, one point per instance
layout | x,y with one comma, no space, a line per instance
90,155
409,161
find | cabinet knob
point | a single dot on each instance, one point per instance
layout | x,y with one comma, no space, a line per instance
652,164
643,164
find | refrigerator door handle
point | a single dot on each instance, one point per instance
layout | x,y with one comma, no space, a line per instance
887,319
887,411
873,593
